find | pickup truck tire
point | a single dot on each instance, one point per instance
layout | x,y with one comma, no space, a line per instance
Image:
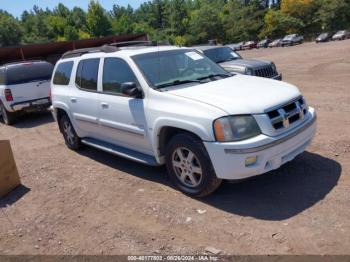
189,166
8,117
70,136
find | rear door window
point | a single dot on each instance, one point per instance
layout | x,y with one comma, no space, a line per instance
63,73
28,72
87,74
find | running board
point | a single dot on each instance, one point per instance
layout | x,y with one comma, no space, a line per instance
121,151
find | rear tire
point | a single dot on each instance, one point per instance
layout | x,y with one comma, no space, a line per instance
9,118
70,136
189,166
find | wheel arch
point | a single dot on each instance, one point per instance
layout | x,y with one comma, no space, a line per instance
164,133
59,111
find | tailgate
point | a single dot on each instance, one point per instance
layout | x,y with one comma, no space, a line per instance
30,91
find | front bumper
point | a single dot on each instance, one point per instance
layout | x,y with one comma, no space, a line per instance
32,105
229,159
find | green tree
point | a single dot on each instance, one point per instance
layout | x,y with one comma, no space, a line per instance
122,19
179,17
278,24
71,33
10,30
97,20
77,19
333,14
206,23
243,21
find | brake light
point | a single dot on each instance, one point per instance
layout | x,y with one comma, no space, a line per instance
8,95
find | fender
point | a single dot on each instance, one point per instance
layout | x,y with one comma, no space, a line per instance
191,127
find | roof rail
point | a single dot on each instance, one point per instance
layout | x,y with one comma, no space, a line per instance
110,48
132,43
140,43
80,52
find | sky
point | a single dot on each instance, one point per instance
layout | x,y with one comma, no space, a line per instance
16,7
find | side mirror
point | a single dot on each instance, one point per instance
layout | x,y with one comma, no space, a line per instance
131,89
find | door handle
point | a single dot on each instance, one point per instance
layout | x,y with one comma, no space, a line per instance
73,99
104,105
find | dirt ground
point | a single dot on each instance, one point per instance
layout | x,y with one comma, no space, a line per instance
91,202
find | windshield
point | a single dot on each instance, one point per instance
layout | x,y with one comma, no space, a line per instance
340,32
28,72
168,68
221,54
323,35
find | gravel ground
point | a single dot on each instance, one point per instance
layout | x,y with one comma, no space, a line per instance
91,202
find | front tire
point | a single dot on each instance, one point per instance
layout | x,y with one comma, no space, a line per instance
8,117
70,136
189,166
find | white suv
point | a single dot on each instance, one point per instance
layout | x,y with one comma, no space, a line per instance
174,106
24,87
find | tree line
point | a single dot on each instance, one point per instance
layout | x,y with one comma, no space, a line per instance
182,22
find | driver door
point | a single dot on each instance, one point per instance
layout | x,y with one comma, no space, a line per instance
122,118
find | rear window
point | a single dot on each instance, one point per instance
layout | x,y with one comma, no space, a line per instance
28,72
87,74
63,73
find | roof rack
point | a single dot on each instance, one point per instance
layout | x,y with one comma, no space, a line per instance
80,52
140,43
110,48
132,43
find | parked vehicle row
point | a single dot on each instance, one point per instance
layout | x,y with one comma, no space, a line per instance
289,40
340,35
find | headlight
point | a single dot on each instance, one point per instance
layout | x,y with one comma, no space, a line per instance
235,128
274,67
249,71
237,69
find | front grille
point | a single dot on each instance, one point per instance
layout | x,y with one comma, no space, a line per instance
282,117
267,71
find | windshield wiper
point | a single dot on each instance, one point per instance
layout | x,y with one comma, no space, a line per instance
214,75
177,82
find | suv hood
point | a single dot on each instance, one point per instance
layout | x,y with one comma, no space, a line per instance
240,94
251,63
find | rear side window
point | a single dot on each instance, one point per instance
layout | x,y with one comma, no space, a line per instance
28,72
87,74
2,77
63,73
116,72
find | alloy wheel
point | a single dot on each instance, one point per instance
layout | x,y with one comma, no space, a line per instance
187,167
68,132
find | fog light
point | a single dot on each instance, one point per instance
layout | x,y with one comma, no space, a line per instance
249,161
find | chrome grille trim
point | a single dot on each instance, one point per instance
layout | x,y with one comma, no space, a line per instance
288,114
